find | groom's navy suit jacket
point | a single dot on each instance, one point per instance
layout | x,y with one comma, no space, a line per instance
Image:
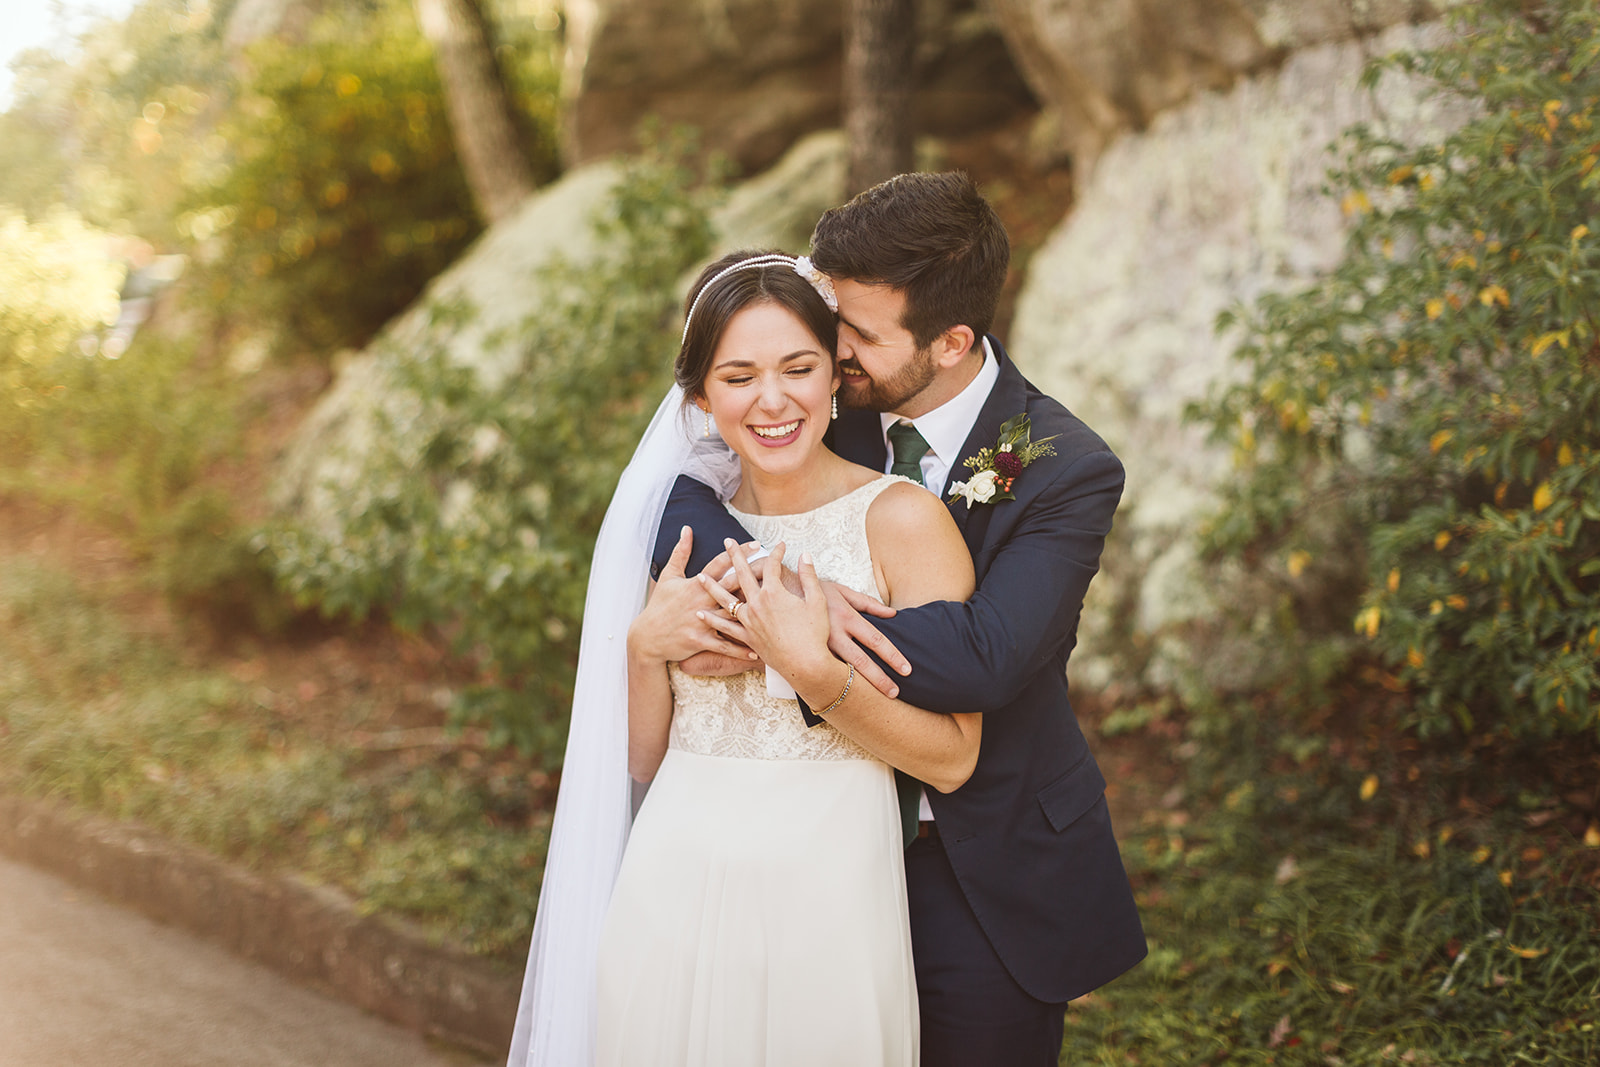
1028,835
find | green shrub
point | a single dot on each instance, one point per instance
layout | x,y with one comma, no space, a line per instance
1429,413
490,540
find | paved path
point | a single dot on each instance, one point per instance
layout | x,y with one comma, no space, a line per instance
84,983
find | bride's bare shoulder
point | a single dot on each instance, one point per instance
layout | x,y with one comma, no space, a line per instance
916,547
906,507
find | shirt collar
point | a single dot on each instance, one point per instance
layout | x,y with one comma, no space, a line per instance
946,427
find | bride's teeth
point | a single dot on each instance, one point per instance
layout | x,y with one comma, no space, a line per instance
776,431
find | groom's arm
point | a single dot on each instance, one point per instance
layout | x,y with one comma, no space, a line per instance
978,655
694,504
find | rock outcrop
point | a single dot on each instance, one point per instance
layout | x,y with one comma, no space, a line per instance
1105,66
1215,203
755,77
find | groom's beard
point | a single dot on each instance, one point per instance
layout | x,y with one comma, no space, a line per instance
893,392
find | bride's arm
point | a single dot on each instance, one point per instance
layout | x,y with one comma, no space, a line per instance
658,636
649,712
920,557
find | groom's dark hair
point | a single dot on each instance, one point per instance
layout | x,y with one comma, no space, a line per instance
932,236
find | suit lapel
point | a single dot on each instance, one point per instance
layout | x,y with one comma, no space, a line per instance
1008,397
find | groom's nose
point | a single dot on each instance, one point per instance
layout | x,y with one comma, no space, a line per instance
842,349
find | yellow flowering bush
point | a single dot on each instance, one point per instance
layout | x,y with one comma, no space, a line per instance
1427,417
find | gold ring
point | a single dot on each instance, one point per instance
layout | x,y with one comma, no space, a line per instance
733,610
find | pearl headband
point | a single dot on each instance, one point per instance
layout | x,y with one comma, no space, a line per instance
800,264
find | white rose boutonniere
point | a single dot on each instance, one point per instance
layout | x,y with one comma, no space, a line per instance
979,489
997,468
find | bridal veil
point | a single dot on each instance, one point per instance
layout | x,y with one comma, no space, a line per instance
556,1016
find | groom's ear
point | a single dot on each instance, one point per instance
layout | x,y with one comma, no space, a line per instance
952,346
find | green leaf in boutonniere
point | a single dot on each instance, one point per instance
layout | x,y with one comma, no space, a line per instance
995,469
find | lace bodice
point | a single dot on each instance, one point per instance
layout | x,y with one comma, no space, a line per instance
736,716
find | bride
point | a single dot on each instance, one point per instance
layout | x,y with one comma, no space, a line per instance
758,915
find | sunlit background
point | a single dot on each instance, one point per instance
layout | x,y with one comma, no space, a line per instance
326,328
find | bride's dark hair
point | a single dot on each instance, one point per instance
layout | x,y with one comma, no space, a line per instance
725,297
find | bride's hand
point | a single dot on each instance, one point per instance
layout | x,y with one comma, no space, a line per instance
789,632
672,626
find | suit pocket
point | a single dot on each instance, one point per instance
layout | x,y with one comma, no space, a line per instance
1074,793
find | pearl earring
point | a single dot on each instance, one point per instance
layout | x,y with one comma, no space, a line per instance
707,416
836,405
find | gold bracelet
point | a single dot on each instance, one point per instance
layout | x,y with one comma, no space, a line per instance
842,694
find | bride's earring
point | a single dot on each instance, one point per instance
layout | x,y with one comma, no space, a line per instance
836,404
707,416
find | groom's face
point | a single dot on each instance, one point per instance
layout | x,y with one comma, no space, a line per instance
882,367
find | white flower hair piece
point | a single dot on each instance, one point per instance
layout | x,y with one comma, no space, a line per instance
801,266
819,281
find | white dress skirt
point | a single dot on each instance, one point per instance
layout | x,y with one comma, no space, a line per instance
759,917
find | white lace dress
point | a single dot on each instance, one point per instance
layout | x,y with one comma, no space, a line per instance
759,917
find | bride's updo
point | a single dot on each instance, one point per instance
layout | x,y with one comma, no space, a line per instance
714,300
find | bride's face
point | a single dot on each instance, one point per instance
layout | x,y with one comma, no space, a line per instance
770,388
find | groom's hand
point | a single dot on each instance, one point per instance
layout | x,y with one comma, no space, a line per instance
848,630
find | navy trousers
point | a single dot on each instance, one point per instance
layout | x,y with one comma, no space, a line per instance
973,1012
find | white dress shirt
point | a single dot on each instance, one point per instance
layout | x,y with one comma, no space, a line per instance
945,428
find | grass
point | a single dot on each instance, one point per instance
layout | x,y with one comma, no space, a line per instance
116,722
1371,902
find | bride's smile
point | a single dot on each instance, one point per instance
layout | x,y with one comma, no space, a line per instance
770,392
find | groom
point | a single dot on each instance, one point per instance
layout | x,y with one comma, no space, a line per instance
1019,902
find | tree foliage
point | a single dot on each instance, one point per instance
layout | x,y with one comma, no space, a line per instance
114,133
1426,419
340,194
313,178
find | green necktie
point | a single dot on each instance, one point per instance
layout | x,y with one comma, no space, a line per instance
909,448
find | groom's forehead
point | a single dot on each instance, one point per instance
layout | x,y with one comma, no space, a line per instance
867,307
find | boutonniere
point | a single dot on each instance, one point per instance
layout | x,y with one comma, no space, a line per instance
995,469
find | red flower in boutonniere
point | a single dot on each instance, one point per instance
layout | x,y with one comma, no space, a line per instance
995,469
